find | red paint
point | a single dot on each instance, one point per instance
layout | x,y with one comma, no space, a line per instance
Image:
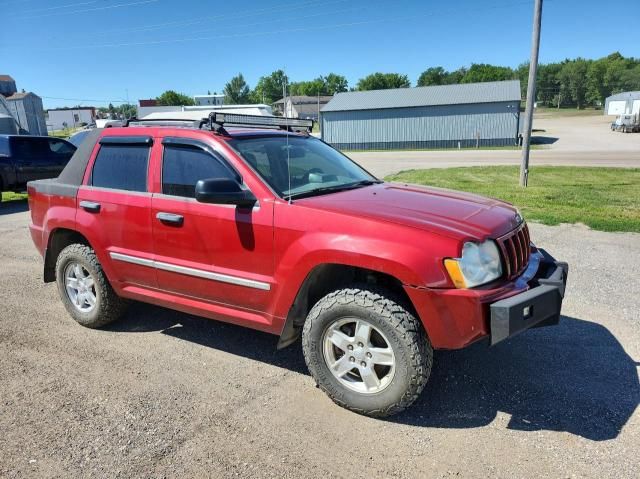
403,231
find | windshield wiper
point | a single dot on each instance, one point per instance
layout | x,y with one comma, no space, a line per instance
331,189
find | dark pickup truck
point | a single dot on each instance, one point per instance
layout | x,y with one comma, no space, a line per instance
26,158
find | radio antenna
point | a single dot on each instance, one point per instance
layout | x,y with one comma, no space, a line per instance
286,119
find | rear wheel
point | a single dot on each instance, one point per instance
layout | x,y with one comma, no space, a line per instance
367,351
84,289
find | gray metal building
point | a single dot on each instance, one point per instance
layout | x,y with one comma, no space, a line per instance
627,102
444,116
26,107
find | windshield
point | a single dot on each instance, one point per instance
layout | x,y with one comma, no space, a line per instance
315,167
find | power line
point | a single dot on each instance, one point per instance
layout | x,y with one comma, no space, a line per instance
83,99
58,7
73,12
203,19
278,32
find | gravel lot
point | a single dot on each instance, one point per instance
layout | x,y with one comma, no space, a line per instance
163,394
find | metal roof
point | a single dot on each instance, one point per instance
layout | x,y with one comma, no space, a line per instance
625,95
464,93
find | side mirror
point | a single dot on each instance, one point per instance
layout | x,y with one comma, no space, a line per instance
223,191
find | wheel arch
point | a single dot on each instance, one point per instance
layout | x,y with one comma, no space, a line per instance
58,240
328,277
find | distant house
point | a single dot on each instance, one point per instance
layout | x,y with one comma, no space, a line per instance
206,100
625,103
8,124
26,108
7,85
61,118
301,106
149,102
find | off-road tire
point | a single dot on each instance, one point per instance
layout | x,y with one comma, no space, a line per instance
109,306
411,346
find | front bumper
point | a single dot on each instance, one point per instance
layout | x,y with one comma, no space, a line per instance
538,306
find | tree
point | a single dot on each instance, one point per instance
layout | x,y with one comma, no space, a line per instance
269,88
328,85
236,91
383,81
483,72
433,76
173,98
335,84
573,80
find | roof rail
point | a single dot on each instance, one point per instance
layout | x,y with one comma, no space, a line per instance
218,119
169,122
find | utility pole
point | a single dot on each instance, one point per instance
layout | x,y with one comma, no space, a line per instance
531,92
318,107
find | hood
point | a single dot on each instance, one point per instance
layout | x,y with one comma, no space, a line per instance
451,213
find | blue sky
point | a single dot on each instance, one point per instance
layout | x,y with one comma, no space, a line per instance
105,49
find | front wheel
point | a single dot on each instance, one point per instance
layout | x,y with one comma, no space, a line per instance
367,351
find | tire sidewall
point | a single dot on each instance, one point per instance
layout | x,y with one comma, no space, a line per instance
382,400
72,256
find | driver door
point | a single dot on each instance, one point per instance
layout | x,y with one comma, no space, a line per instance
221,254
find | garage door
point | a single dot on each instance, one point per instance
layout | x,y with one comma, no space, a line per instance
636,107
616,107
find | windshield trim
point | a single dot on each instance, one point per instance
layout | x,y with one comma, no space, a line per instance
283,196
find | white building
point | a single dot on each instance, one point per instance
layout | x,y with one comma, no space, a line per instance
208,100
61,118
199,112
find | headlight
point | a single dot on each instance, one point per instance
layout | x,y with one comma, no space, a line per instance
479,264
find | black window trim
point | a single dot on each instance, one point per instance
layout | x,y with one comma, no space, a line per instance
126,140
197,144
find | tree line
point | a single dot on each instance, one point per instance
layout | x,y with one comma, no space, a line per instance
575,82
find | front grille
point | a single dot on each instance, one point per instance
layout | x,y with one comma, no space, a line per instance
515,249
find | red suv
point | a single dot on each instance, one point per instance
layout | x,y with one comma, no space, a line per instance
243,219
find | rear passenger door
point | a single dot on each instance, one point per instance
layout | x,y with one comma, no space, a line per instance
114,209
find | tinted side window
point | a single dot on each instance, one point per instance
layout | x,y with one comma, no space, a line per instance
122,167
29,148
62,148
183,166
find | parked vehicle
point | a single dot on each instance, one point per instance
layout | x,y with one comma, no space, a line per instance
627,123
26,158
277,231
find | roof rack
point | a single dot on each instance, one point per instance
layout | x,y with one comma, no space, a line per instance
169,122
218,119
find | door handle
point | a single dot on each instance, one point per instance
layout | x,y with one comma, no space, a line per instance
170,219
90,206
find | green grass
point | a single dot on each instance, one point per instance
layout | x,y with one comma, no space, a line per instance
64,134
606,199
10,196
511,147
563,112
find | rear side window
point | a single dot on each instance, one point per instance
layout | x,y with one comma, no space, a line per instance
62,148
28,148
184,166
121,167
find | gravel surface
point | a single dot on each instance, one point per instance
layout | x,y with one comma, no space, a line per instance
164,394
